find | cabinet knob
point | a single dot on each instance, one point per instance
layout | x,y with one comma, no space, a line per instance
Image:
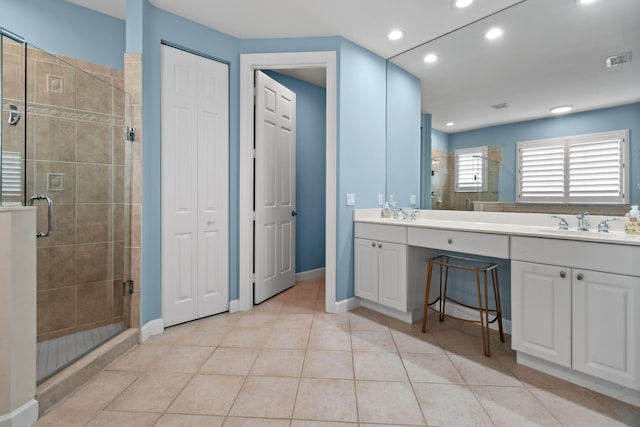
563,274
579,276
379,245
373,244
450,240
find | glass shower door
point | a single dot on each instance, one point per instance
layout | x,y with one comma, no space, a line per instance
12,123
76,154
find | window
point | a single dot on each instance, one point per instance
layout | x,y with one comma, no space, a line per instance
11,178
577,169
471,169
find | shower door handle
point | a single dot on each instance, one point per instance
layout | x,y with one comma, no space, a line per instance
49,213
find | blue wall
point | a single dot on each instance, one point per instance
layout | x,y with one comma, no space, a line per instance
63,28
361,148
425,165
439,140
310,171
506,136
403,136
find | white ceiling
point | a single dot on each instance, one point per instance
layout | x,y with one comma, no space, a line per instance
552,52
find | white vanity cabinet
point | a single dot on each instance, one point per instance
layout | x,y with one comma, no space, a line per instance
381,272
380,265
577,304
541,303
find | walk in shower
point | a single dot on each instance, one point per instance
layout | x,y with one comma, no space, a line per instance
63,139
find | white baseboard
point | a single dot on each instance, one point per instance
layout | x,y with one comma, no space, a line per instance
24,416
345,305
152,327
407,317
310,274
596,384
234,306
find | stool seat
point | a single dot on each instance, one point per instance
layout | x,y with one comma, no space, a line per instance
481,268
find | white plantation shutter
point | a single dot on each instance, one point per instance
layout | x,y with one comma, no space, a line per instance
578,169
541,171
11,174
471,169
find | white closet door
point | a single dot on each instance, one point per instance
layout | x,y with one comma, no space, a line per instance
275,188
194,186
213,187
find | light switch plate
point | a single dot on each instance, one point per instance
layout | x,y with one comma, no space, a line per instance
380,199
351,199
412,199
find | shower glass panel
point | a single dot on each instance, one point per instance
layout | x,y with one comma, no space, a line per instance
12,123
69,145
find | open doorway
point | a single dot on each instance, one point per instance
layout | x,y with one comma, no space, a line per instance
250,63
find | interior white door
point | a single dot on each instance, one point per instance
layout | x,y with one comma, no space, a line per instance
194,160
275,188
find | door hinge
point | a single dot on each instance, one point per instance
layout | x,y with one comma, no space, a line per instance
130,134
127,287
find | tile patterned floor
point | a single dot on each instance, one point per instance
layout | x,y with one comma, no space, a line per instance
57,353
287,363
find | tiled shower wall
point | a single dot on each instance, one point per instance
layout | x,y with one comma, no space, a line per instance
76,155
443,185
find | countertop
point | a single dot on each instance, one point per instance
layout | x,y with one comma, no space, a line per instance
515,224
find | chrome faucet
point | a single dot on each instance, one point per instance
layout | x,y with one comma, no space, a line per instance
405,215
413,215
563,224
583,225
603,227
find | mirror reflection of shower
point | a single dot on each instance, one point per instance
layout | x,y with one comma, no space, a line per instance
443,185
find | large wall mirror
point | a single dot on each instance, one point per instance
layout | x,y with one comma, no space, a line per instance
498,92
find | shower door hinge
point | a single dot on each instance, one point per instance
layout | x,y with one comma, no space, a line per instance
130,134
127,287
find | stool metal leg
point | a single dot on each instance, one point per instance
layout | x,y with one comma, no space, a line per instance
426,295
496,297
443,296
486,315
484,338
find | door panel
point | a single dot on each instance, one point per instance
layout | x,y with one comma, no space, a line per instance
392,273
540,305
366,269
194,186
606,336
275,188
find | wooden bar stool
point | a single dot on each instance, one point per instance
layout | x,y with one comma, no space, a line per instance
479,267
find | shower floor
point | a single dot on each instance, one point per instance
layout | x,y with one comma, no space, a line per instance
58,353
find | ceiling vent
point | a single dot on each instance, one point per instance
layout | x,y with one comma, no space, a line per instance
500,106
620,59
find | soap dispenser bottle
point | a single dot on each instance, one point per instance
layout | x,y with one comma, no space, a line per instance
386,212
632,225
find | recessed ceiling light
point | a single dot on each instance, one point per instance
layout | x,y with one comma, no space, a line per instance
562,109
493,33
431,58
586,1
395,35
449,124
462,3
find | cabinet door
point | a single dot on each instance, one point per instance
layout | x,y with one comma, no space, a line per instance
366,269
541,311
606,326
392,275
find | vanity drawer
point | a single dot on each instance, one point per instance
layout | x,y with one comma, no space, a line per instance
493,245
385,233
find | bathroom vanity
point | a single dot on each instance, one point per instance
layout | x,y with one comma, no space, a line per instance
575,295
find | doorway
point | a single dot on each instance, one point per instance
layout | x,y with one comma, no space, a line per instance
274,61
